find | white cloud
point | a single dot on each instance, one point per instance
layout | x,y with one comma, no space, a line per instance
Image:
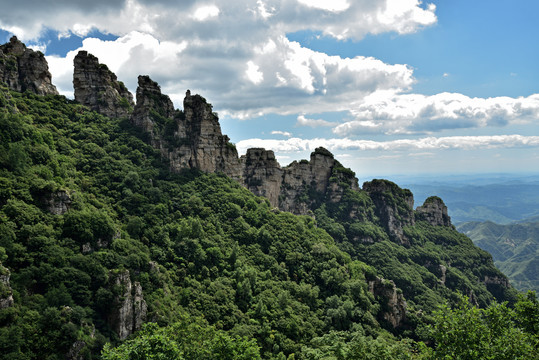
413,113
423,144
244,64
206,12
284,133
303,121
328,5
253,73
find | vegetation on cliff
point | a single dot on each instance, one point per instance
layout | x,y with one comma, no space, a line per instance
99,237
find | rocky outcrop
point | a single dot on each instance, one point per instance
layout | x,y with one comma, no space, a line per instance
301,186
262,174
211,151
24,69
153,108
58,203
189,139
129,308
434,212
98,88
393,304
393,206
6,294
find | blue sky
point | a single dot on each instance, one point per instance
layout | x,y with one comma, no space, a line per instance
389,86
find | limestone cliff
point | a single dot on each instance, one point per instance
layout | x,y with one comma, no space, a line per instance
434,212
24,69
262,174
6,294
393,206
188,139
129,308
393,304
98,88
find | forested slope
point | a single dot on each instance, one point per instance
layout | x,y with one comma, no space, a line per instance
514,247
98,236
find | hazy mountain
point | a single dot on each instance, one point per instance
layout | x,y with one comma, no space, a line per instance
514,247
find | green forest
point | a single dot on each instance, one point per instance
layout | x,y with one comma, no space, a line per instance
106,254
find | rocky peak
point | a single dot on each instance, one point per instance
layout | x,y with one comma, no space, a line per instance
98,88
188,139
262,174
434,212
151,106
393,206
24,69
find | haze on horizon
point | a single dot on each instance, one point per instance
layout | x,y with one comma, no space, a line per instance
389,86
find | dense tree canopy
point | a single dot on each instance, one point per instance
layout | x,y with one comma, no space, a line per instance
84,201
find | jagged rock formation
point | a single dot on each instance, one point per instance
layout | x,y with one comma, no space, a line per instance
98,88
130,308
6,294
189,139
299,187
151,107
58,203
394,206
262,174
434,212
24,69
393,304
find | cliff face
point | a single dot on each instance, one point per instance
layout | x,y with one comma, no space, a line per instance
189,139
130,308
262,174
24,69
6,293
98,88
393,205
434,212
393,304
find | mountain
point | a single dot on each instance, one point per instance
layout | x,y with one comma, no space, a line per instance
114,215
500,198
514,248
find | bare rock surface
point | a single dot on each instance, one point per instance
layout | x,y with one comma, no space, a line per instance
394,207
23,69
130,308
434,212
6,293
98,88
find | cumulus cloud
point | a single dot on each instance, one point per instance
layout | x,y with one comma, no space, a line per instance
283,133
422,144
169,19
314,123
237,55
286,76
235,52
413,113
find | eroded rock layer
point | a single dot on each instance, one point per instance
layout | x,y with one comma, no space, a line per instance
23,69
98,88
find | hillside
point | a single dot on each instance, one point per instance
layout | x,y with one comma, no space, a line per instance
502,199
121,216
514,248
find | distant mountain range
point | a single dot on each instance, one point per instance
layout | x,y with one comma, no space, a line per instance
514,247
502,199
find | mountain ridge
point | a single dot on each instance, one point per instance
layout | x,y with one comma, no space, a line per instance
154,211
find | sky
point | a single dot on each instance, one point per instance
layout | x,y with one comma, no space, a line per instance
391,87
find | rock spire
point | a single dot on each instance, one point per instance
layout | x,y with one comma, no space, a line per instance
23,69
98,88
